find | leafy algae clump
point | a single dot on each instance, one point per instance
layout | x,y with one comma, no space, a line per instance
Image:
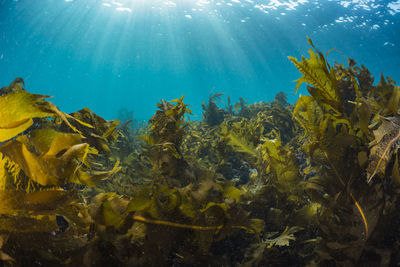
35,164
338,118
263,184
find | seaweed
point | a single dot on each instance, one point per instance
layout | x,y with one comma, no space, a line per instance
335,135
166,129
36,163
213,115
269,183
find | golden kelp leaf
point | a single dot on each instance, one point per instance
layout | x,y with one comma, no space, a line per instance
12,201
111,129
272,151
52,170
54,158
308,114
55,168
65,117
316,122
180,108
47,200
385,137
50,142
20,105
280,161
97,130
12,177
316,72
89,119
17,109
8,133
92,178
239,143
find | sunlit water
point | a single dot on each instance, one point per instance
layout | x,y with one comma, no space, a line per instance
108,55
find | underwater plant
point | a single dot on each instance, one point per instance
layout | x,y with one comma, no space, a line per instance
212,114
315,183
337,117
38,162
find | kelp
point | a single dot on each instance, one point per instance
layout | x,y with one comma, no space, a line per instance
272,170
317,72
239,142
37,162
97,132
337,117
320,115
49,157
163,214
213,115
166,130
17,109
196,206
314,183
185,205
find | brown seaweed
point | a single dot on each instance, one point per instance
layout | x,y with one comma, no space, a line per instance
314,183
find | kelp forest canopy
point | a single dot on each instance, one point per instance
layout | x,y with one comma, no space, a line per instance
315,183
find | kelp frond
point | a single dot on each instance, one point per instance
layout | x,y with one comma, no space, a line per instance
317,72
238,142
17,109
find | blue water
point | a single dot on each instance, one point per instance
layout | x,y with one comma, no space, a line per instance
108,55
